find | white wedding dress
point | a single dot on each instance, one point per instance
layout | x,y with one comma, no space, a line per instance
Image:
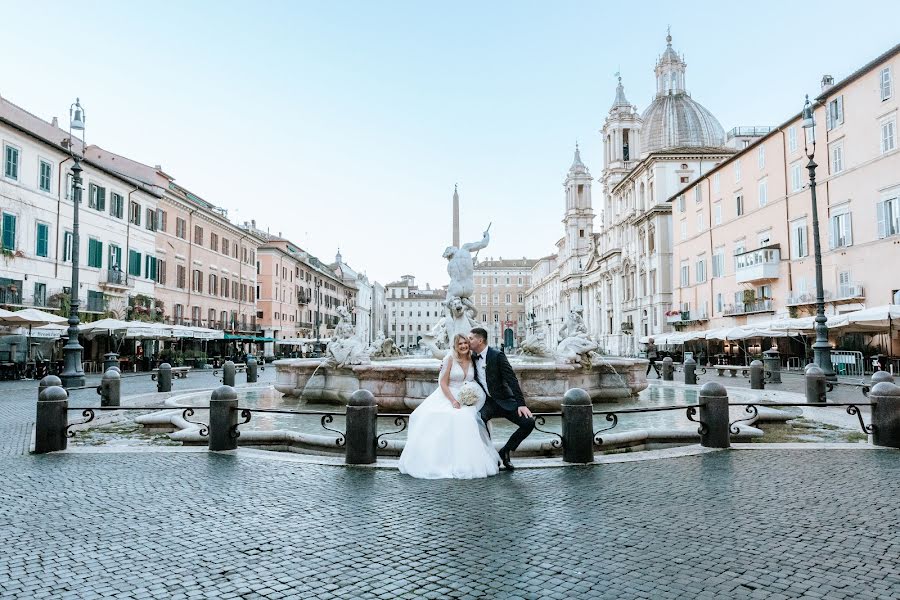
446,442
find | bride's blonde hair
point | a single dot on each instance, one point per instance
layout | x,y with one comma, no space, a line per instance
456,339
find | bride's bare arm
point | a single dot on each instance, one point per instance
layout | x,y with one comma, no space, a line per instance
445,381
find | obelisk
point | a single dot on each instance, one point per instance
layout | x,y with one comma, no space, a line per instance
455,217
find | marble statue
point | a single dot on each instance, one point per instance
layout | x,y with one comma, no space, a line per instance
383,347
345,348
456,320
461,269
575,344
536,345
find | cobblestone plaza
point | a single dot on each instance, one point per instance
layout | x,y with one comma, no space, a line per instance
142,523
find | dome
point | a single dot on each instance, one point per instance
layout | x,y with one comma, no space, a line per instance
674,119
677,120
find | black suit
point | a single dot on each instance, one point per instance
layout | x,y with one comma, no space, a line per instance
504,396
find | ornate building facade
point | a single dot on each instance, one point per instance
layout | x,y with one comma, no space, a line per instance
619,268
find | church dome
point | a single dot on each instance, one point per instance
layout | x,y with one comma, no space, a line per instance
674,119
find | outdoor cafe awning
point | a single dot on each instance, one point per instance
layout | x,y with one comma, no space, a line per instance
248,338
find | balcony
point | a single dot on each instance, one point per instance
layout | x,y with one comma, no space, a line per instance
748,308
845,293
746,131
114,279
687,316
757,265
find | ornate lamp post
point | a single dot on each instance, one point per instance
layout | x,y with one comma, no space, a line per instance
318,314
533,318
821,347
73,374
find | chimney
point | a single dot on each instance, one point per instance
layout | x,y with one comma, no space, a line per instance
54,122
253,223
827,82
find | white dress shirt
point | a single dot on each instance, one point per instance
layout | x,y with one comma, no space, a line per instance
480,365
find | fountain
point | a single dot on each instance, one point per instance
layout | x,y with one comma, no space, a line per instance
400,384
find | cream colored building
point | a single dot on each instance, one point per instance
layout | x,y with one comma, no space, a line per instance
618,267
745,249
298,294
500,287
411,312
117,219
206,265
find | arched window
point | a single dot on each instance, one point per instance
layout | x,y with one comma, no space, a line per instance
642,204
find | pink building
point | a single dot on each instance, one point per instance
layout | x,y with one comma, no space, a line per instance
743,239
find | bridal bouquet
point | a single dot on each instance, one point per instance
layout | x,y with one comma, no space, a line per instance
469,394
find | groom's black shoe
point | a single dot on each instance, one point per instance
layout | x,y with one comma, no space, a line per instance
504,458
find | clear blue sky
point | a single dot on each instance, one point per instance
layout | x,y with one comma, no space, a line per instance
347,123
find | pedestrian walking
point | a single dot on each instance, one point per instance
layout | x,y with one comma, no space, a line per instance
652,355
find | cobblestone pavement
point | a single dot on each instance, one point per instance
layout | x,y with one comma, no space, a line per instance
740,524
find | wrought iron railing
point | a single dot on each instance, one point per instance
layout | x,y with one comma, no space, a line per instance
326,417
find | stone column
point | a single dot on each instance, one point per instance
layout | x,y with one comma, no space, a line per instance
228,371
815,384
668,371
714,416
223,418
690,371
52,419
110,388
362,428
577,427
885,399
164,378
251,369
757,375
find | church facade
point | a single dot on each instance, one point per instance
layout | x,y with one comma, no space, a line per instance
618,265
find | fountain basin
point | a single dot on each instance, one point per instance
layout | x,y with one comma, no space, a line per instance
402,384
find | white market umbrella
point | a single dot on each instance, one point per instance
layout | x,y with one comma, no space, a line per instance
877,316
31,317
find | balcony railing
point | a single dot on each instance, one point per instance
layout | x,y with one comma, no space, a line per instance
746,131
114,278
755,265
850,292
746,308
687,316
845,293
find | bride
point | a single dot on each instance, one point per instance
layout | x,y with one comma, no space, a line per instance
448,439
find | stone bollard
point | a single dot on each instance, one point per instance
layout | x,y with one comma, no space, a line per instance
110,388
48,381
52,420
577,427
815,385
714,416
885,399
252,369
228,371
668,371
772,361
757,375
223,418
690,371
362,427
164,378
110,359
879,376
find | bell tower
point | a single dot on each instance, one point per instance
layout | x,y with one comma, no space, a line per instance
579,216
621,142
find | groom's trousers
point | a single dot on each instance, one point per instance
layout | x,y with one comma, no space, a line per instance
492,410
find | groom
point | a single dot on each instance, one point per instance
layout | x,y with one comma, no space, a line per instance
504,397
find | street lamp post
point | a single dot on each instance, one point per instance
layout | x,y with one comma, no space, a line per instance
318,314
821,347
73,373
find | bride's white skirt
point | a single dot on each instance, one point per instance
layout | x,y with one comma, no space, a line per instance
447,443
